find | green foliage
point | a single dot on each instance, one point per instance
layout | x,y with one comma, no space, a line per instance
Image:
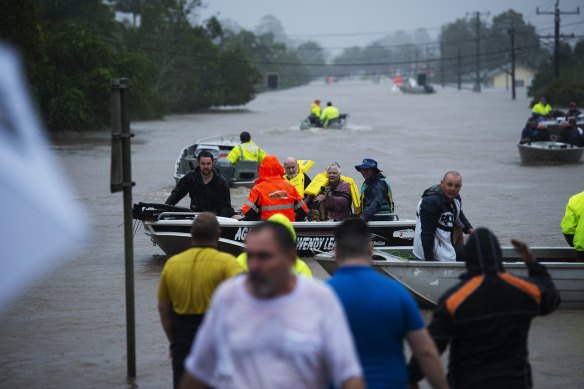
569,86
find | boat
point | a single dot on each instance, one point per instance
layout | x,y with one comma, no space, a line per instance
169,228
417,90
553,125
427,281
548,152
240,173
335,124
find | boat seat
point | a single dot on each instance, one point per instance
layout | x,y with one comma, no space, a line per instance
245,171
384,217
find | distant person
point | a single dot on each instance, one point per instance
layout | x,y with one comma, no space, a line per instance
376,195
486,317
439,212
208,190
296,173
300,268
246,151
330,113
315,113
381,313
335,198
534,132
272,194
187,283
573,224
572,110
542,108
273,329
570,135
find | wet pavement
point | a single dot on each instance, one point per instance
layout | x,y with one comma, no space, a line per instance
69,329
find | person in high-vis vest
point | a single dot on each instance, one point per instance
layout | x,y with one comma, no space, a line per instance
272,194
246,151
315,108
376,196
329,113
542,108
296,173
300,267
573,224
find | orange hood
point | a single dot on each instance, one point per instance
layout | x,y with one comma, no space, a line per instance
270,168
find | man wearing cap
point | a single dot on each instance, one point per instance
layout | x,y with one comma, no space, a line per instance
246,151
376,195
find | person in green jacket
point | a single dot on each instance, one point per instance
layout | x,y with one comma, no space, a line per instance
329,113
573,224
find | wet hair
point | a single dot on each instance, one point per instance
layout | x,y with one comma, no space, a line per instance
352,238
205,228
335,165
244,137
281,235
329,104
204,154
451,172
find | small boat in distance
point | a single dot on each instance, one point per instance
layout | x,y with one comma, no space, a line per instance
549,152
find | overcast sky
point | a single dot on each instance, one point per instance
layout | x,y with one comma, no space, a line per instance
337,24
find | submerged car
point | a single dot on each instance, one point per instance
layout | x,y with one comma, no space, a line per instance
240,173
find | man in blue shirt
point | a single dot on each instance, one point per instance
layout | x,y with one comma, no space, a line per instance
381,313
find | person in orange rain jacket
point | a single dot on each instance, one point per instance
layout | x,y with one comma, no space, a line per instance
272,194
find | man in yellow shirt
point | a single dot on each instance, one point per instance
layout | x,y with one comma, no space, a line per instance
187,283
573,224
329,113
246,151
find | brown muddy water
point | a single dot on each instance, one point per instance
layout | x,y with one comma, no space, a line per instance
68,330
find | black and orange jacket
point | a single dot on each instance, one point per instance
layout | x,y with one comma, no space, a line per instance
486,319
272,194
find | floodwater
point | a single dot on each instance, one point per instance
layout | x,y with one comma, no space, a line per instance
68,330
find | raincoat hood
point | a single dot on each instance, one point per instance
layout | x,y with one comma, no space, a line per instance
483,254
435,190
270,168
283,220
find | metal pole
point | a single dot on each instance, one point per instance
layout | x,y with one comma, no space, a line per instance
557,40
512,32
443,76
121,133
459,69
478,60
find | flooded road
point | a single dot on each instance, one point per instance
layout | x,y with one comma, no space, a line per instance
69,329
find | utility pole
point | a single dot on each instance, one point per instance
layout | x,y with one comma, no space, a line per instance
512,34
557,14
477,14
442,75
459,70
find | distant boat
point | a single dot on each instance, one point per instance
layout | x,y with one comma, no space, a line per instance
549,152
417,90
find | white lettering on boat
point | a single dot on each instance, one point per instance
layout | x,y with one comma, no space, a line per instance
241,234
320,243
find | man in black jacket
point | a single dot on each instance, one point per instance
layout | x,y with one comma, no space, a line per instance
208,190
439,213
486,317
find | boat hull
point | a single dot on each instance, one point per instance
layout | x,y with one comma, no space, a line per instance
549,153
173,235
427,281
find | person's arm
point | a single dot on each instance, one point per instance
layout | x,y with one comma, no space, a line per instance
354,383
339,200
467,227
180,191
429,214
189,382
427,357
550,296
165,312
300,209
233,155
250,208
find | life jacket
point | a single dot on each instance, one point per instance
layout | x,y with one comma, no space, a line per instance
387,206
321,180
272,194
298,181
315,110
328,114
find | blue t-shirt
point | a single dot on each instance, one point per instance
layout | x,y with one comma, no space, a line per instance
380,312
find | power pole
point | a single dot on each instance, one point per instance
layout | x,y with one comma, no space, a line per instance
557,14
459,70
512,34
477,14
443,76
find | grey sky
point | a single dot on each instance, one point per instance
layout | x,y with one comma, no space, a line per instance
336,24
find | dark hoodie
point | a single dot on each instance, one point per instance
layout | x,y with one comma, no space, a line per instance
486,319
212,197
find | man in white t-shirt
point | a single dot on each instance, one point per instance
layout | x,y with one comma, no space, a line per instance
272,329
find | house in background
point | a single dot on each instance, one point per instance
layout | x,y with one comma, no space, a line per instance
501,77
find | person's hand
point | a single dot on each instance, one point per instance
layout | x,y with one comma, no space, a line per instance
523,250
237,217
470,230
320,197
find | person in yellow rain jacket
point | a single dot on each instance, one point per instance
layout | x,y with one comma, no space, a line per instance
329,113
573,224
542,108
300,267
296,173
246,151
315,108
321,180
